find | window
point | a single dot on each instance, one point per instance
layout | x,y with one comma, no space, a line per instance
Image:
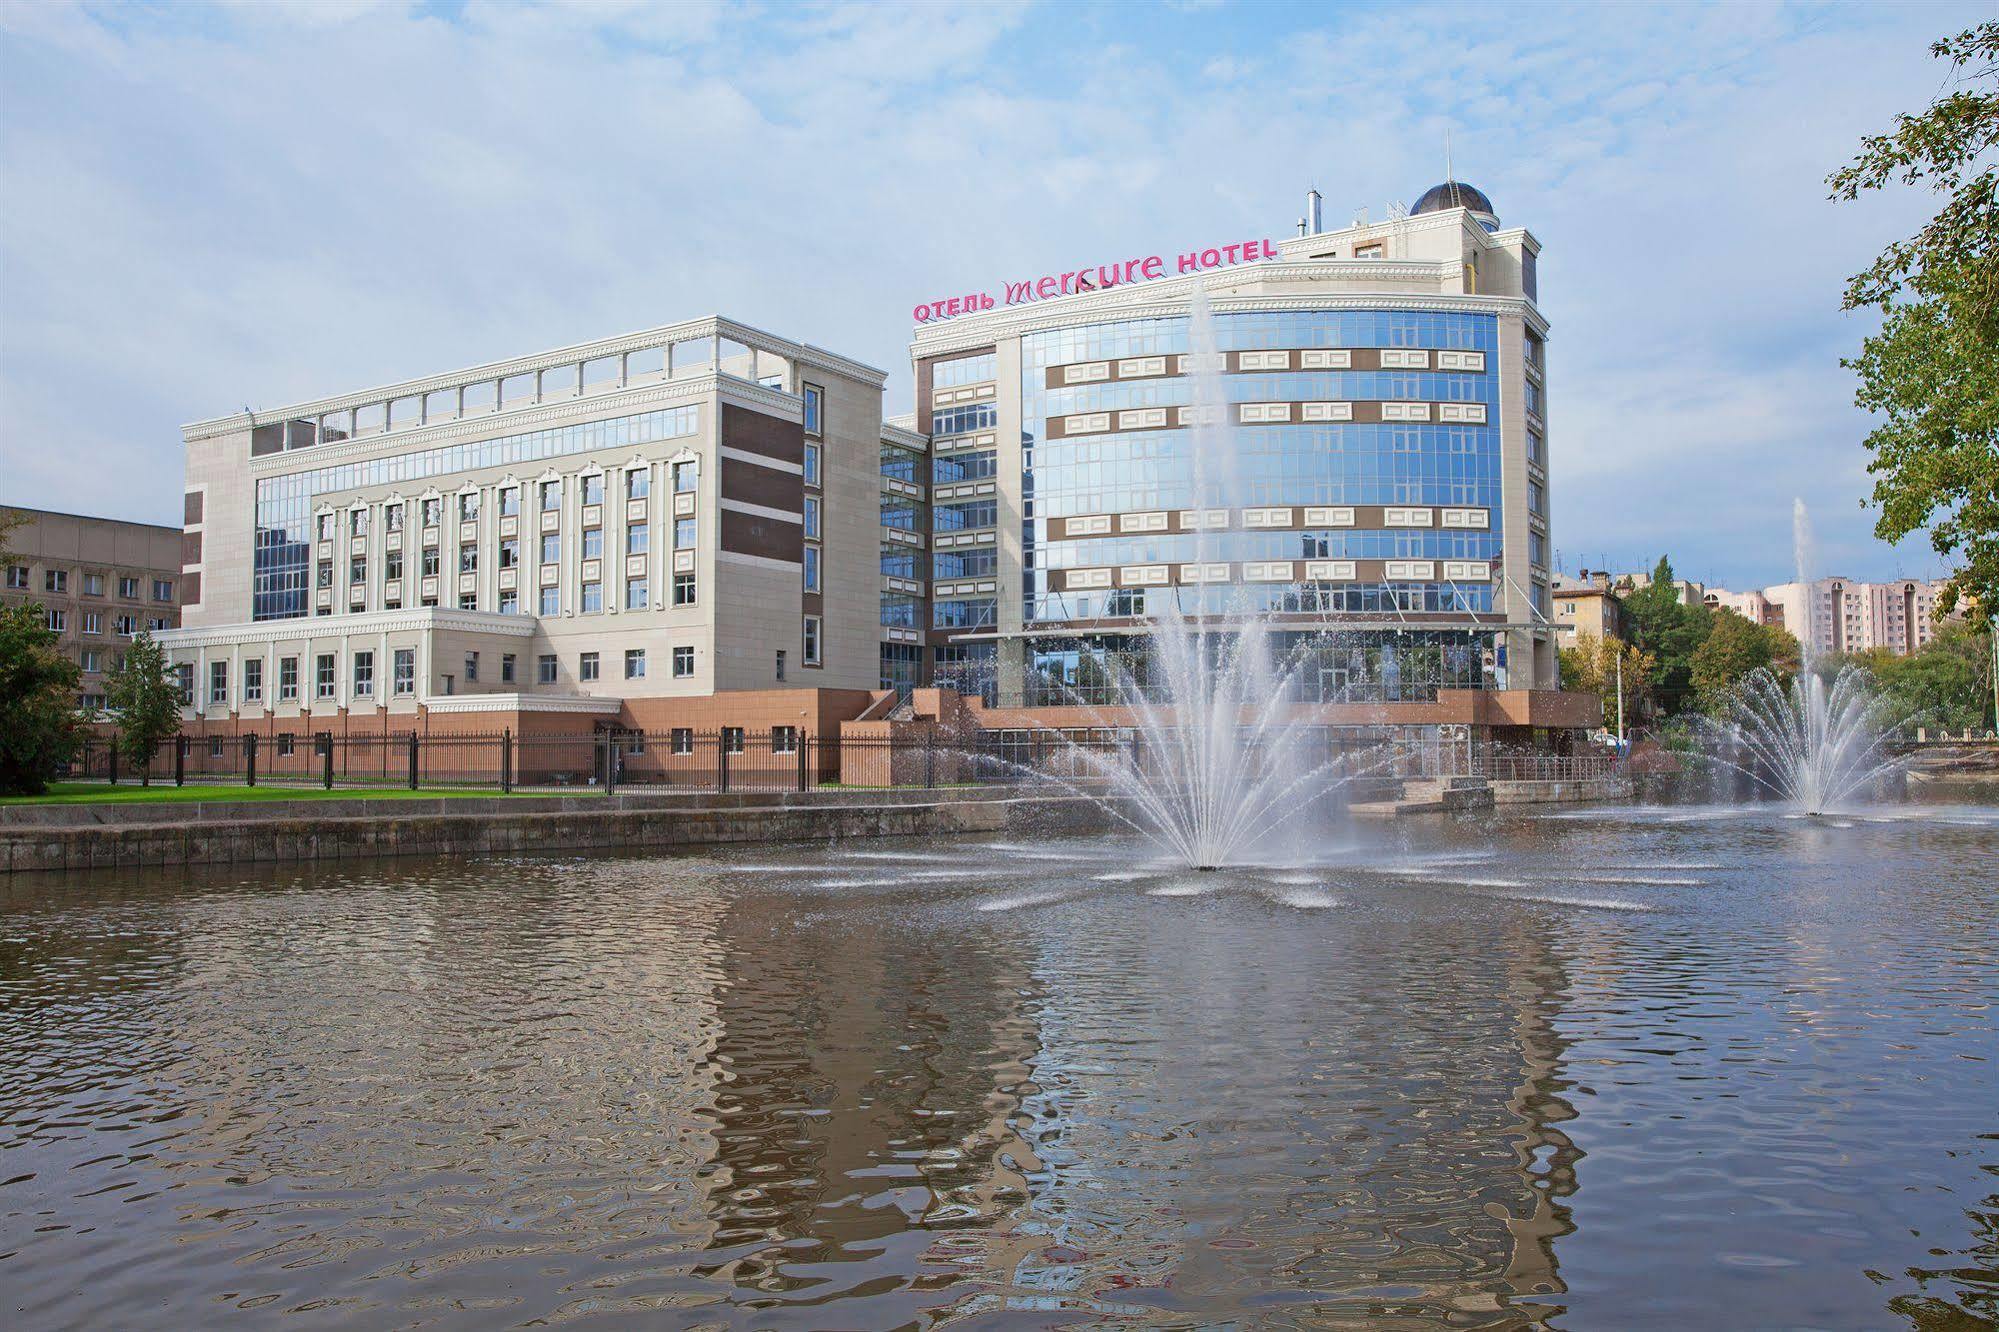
815,410
57,580
510,602
1537,498
93,585
510,552
392,517
506,668
468,558
544,669
784,739
551,548
780,664
392,567
635,594
287,679
732,739
468,507
551,602
322,685
638,483
593,543
812,568
683,662
684,530
683,589
683,740
125,625
471,668
326,573
551,496
287,744
364,675
586,666
253,680
637,538
635,663
325,527
432,562
405,667
17,577
593,488
811,516
357,522
593,598
686,477
510,502
91,660
812,640
811,464
218,684
58,621
215,746
128,588
184,683
1374,251
357,569
163,589
93,622
433,512
158,624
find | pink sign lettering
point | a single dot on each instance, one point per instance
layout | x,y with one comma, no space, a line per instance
1078,280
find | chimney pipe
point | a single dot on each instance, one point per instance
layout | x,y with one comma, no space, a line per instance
1312,212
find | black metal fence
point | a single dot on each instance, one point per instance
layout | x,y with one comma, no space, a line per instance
769,761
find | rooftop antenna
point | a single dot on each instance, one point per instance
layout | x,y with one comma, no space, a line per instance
1450,176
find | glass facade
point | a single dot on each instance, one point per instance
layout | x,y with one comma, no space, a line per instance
283,552
1333,667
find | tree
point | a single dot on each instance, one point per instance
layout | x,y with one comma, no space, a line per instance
1948,684
1932,372
146,696
1591,667
1734,646
39,727
1671,631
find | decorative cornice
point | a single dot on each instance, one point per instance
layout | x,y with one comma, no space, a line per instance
429,619
459,703
803,353
903,438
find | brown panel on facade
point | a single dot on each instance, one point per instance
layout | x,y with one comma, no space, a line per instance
813,603
267,439
190,549
925,378
190,589
1366,518
770,538
762,485
754,432
191,504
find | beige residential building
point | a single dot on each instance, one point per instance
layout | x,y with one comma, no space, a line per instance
99,580
1586,606
1845,615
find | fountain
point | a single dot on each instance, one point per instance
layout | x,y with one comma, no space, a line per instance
1816,743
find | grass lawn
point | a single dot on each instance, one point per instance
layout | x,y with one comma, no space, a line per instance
127,793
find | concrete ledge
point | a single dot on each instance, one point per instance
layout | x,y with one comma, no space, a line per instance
596,825
1552,792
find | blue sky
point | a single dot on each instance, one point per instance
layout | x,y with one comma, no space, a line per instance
250,204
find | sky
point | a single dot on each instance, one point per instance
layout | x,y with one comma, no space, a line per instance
204,209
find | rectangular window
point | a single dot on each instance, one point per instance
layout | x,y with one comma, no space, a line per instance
253,680
322,684
593,598
815,410
683,740
128,588
357,569
635,663
506,668
93,585
405,672
684,531
683,589
431,561
364,675
287,744
732,739
780,665
218,684
637,538
635,594
357,522
287,679
468,601
551,602
593,543
811,464
686,477
184,683
551,548
57,620
551,496
811,517
812,568
510,601
433,512
57,580
593,488
468,507
784,739
471,668
392,567
586,666
126,625
510,552
510,502
392,517
683,662
638,483
93,622
17,577
544,669
468,558
326,573
215,746
91,660
811,635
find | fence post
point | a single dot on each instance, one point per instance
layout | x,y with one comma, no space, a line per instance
326,759
412,760
929,759
250,759
506,762
610,763
180,760
804,746
111,748
722,762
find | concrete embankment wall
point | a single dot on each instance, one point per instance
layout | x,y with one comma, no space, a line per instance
107,837
1581,788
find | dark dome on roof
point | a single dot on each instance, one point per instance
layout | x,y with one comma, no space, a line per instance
1453,194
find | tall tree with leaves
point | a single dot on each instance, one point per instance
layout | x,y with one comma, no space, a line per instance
1932,372
39,726
146,697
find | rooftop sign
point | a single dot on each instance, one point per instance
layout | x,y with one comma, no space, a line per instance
1103,276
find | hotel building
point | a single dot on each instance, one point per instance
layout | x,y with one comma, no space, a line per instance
1384,396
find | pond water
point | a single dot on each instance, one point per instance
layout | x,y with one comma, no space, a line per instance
1589,1068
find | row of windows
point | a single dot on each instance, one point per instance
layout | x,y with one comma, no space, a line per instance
1310,667
1253,599
57,620
638,485
964,370
89,584
1259,330
1184,547
1297,386
325,683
